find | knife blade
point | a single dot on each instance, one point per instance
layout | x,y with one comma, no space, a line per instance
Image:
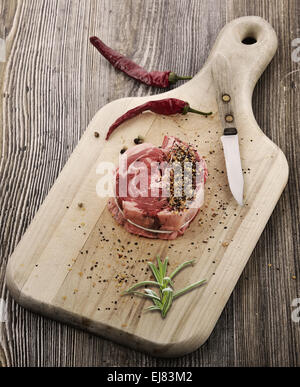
221,75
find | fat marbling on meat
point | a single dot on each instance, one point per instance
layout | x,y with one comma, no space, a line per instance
145,202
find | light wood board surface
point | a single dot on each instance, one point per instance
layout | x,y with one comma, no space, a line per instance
73,262
255,328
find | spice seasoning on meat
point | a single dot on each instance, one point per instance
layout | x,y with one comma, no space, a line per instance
182,154
155,209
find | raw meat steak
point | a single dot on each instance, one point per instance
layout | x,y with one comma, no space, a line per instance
158,190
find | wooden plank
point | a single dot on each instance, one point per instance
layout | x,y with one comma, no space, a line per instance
55,342
8,16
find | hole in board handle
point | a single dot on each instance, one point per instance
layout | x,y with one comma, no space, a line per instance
249,40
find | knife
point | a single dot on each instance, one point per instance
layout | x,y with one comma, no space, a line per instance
221,77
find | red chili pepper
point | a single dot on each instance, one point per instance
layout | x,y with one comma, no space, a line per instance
133,70
166,107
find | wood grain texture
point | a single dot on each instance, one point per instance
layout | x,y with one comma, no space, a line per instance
45,78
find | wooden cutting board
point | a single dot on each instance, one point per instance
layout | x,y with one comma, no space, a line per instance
73,262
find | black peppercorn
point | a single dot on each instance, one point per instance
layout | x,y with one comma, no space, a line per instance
138,140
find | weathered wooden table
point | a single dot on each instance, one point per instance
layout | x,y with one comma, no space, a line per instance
49,95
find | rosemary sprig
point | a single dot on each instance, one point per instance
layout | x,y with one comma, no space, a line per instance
162,301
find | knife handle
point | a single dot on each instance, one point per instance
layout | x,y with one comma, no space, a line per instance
230,131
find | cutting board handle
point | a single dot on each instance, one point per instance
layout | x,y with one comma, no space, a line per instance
248,43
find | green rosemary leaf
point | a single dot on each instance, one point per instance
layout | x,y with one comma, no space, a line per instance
167,303
157,303
155,272
167,281
152,293
153,308
135,286
188,288
167,297
180,267
164,300
165,266
169,290
145,295
160,267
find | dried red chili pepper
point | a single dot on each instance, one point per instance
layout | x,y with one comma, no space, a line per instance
154,78
166,107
